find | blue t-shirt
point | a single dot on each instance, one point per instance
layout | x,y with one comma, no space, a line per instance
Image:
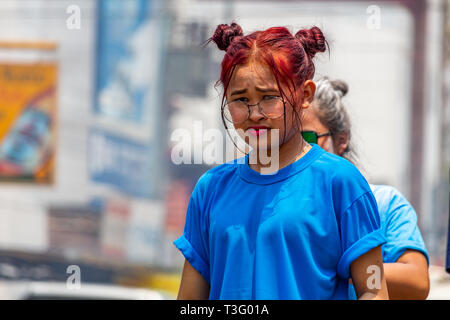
289,235
399,222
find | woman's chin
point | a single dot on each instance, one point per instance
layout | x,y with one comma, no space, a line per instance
264,148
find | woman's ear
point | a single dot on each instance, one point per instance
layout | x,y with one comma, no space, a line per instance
340,142
309,89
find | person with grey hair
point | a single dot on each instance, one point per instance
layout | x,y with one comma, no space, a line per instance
405,259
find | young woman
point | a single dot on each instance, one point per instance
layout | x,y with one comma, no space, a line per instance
405,257
300,231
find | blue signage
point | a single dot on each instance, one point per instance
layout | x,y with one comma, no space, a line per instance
124,164
124,59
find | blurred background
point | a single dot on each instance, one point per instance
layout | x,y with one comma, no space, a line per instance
92,92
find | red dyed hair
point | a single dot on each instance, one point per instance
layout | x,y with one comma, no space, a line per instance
289,56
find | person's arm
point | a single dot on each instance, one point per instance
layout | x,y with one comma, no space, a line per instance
405,255
193,286
368,276
407,278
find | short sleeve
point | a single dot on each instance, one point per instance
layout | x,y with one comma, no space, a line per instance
360,231
193,244
401,229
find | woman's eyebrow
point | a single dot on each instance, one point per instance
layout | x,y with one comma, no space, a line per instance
271,89
239,91
260,89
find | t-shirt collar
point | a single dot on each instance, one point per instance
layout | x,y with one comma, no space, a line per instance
252,176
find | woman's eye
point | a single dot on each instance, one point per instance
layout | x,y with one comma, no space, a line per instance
241,99
270,97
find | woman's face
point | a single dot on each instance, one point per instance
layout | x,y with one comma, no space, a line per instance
311,122
252,83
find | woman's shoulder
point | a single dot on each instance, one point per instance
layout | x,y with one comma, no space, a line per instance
390,199
345,181
226,168
215,176
386,192
336,166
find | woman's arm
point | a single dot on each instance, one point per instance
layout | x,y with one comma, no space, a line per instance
368,276
407,278
193,286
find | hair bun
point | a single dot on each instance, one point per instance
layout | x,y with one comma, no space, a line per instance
224,35
313,40
340,86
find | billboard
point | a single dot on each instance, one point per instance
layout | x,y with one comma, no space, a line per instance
128,93
128,48
120,162
27,121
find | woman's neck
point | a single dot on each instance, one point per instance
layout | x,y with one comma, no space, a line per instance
288,153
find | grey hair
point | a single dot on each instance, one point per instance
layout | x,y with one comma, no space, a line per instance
332,111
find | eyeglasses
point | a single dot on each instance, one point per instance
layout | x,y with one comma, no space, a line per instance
312,136
238,111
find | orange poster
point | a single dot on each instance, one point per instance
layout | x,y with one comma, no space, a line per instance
27,121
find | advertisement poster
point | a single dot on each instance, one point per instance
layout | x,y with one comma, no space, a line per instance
127,60
131,46
27,122
121,163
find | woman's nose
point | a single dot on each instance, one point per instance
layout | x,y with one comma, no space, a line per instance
255,115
